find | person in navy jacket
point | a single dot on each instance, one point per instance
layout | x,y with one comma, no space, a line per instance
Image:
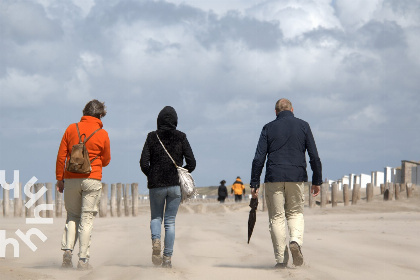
283,144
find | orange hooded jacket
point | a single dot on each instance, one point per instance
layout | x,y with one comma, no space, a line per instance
238,187
98,145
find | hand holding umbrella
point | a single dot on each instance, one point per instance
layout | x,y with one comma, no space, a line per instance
252,214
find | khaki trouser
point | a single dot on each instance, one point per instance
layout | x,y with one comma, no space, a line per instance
81,199
285,201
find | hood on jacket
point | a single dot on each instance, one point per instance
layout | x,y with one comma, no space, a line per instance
167,118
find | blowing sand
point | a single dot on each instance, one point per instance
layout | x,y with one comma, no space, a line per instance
379,240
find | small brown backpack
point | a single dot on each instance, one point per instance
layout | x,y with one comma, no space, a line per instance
79,161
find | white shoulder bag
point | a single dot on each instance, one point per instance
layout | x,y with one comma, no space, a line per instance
186,181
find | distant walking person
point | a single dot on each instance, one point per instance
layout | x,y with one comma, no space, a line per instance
222,192
82,191
162,180
238,189
284,143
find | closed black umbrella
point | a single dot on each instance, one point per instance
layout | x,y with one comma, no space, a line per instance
252,216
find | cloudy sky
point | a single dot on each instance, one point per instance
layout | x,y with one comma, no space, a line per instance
350,68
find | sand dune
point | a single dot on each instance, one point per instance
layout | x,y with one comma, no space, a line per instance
379,240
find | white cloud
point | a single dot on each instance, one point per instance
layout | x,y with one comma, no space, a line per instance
296,16
219,7
85,5
92,62
78,88
356,13
19,89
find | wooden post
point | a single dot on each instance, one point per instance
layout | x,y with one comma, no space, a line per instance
386,192
324,194
29,212
334,194
18,202
49,213
397,191
369,192
391,189
409,187
382,189
264,202
58,204
311,199
6,202
103,205
41,200
135,199
356,194
113,200
119,199
403,187
126,199
346,195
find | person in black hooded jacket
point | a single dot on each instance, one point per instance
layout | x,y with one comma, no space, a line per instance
162,180
222,192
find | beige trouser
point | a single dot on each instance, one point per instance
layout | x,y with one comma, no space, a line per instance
285,202
81,199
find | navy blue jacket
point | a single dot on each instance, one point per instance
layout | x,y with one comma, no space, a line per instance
284,142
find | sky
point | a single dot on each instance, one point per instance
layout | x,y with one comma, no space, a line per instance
350,69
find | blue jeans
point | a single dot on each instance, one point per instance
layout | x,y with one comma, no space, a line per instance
158,197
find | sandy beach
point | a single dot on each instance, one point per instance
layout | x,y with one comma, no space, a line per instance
377,240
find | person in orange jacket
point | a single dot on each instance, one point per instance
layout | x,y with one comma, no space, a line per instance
82,192
238,189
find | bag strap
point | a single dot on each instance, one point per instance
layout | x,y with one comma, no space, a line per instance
86,139
91,135
166,150
78,133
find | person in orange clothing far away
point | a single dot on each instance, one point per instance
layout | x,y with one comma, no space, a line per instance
238,189
82,191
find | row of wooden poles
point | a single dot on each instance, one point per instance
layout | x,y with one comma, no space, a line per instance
390,191
122,201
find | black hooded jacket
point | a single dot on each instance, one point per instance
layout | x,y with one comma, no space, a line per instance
222,191
154,161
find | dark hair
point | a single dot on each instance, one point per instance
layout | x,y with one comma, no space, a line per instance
95,108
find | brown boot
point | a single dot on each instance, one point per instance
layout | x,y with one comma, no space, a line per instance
296,253
67,262
166,263
156,256
84,265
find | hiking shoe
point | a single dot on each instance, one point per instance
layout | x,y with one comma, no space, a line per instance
296,253
156,257
84,265
280,266
67,263
166,262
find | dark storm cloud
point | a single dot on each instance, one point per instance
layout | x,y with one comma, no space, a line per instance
23,22
351,70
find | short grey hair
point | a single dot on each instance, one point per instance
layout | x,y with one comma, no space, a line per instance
95,108
283,105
